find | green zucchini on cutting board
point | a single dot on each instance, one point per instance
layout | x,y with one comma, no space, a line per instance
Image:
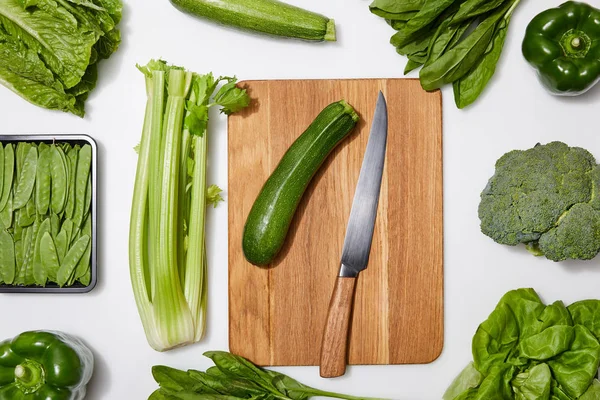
266,16
269,220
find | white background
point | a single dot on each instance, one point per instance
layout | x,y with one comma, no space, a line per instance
514,113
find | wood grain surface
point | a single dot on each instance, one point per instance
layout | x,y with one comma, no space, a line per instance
277,315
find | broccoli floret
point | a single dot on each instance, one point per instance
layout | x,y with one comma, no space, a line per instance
548,198
576,236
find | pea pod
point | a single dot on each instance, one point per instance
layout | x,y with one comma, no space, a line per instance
71,259
72,156
22,266
8,174
84,264
7,257
49,256
54,225
26,179
88,197
62,243
43,182
28,257
84,164
1,168
40,273
58,171
7,213
18,254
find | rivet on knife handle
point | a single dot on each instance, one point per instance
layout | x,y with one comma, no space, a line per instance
334,347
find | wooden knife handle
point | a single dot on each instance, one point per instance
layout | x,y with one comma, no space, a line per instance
334,348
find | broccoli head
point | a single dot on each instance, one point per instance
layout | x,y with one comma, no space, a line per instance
548,198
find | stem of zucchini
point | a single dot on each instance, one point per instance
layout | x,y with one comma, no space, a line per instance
330,31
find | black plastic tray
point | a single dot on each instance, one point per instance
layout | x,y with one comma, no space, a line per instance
72,139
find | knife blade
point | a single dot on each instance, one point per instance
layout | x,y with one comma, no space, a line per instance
357,246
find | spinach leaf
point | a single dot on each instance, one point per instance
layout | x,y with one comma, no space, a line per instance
468,88
226,385
411,65
446,36
430,11
171,378
474,8
533,384
457,62
395,6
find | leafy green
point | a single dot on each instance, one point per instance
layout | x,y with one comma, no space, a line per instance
50,49
232,377
457,42
526,350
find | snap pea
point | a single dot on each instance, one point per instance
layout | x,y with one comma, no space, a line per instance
9,170
71,259
40,273
26,179
7,213
49,256
23,217
88,197
54,224
83,170
86,278
62,243
18,256
84,264
58,171
1,168
42,182
28,260
72,156
22,266
7,257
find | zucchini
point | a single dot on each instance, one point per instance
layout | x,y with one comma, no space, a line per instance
272,212
267,16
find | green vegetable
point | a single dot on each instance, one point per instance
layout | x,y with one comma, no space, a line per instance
272,212
548,198
529,350
561,44
49,49
44,365
266,16
232,378
167,257
36,245
436,35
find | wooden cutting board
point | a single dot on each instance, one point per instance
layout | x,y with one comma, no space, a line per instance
277,314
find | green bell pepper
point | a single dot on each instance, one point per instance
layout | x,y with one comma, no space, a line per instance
43,365
563,44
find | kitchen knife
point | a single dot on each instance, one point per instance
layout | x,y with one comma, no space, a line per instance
357,246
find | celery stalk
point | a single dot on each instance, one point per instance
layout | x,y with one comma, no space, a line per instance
167,249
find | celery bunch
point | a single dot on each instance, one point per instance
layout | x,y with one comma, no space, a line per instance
167,254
